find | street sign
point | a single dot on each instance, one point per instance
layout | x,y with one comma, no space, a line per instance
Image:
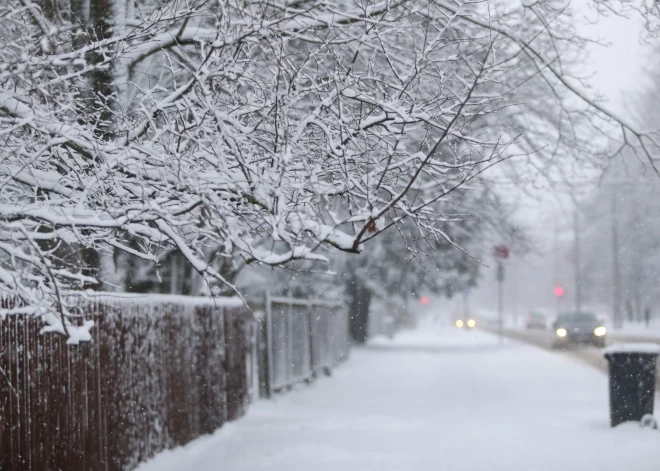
501,252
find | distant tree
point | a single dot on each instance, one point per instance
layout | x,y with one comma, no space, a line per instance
624,211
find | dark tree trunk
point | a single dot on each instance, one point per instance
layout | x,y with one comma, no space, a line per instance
360,299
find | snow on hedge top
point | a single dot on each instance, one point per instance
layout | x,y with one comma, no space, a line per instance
648,348
82,333
146,298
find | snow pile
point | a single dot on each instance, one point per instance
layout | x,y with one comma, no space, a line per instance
644,348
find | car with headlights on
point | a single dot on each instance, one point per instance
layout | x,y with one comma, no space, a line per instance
470,323
578,327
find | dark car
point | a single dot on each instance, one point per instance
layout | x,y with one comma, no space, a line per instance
536,320
573,328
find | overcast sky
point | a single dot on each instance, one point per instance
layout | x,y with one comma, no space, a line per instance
618,72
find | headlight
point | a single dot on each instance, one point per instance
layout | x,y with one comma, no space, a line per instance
600,331
459,323
561,332
472,323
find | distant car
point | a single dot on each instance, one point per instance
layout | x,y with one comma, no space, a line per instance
573,328
536,320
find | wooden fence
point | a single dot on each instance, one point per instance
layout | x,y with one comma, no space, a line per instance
159,372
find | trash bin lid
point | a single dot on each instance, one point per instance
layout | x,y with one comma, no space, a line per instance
640,348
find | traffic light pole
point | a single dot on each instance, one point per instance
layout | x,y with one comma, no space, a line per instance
555,273
578,284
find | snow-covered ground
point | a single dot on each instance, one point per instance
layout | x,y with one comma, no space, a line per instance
436,399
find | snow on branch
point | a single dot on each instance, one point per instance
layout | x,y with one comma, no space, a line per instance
268,131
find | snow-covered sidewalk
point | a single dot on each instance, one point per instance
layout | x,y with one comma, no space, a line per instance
436,399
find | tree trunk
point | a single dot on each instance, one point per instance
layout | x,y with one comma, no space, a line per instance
360,299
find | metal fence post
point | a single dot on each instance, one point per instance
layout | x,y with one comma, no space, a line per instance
253,365
269,346
310,327
329,325
289,341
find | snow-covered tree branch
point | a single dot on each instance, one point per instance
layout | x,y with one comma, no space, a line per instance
262,130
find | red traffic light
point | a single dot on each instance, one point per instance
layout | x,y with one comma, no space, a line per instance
425,300
559,291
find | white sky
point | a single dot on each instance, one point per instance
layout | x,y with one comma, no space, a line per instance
618,70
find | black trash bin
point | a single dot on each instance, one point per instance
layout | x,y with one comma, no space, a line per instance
632,380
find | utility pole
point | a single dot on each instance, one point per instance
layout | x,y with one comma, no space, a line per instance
616,273
578,291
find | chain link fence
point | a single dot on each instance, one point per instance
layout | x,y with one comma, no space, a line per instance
299,339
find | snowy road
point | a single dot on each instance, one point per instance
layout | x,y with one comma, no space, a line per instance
588,354
438,399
